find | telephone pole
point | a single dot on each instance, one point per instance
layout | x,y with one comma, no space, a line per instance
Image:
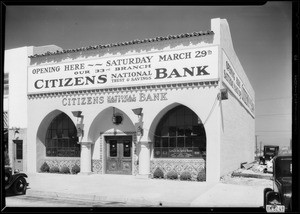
256,146
260,147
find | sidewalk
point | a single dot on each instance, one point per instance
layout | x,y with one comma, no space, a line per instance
143,192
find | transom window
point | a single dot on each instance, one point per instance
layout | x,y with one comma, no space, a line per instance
180,134
61,138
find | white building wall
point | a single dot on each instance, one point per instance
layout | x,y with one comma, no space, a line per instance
237,124
15,63
238,135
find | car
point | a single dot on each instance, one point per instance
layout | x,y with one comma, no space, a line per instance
15,182
269,152
279,199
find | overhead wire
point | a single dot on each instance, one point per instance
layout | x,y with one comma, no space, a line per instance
211,110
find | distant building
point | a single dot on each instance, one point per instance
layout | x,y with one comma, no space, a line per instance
181,103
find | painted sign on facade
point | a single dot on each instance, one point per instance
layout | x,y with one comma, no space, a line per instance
188,65
235,84
124,98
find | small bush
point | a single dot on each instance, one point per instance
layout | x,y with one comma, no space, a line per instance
201,176
158,173
172,175
185,176
65,170
45,167
54,169
75,169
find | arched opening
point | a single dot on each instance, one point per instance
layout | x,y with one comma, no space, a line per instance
61,138
113,148
180,134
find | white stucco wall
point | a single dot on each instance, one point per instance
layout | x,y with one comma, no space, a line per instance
15,63
237,124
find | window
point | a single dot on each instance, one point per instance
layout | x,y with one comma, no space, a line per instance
180,134
6,84
61,138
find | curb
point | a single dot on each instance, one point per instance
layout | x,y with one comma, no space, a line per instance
134,201
247,175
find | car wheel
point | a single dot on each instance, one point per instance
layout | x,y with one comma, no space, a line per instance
266,190
20,186
7,178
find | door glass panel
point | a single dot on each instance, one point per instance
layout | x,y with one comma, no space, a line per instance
126,149
19,151
113,150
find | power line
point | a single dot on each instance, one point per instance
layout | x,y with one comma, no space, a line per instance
273,131
276,98
266,115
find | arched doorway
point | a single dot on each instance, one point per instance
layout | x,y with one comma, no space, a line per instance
113,151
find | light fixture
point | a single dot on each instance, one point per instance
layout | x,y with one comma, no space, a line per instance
223,94
137,111
77,113
116,119
80,130
16,134
140,131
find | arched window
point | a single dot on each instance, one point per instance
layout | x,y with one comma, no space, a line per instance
61,138
180,134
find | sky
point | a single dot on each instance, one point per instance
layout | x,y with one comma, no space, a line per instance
261,34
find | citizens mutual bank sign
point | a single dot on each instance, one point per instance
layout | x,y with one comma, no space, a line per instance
188,65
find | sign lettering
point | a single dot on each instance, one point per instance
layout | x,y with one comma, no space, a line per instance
197,64
235,84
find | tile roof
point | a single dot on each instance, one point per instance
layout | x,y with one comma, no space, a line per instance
137,41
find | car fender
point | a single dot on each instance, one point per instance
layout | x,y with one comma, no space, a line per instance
14,178
273,198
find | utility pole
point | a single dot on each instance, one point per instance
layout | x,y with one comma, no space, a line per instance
260,147
256,146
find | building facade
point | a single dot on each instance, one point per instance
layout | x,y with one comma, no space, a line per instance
178,103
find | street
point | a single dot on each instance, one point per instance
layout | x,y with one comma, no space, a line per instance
30,201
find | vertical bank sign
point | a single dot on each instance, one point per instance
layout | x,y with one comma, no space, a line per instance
189,65
236,85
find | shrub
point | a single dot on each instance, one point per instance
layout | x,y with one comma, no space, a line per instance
201,176
185,176
172,175
158,173
54,169
75,169
65,170
45,167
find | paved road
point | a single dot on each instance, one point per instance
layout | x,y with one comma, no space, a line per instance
30,201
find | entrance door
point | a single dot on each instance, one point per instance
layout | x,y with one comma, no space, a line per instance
18,155
119,155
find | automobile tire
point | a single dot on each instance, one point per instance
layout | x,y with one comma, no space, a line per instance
8,178
19,186
266,190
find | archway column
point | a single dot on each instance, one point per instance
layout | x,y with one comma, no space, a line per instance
144,159
86,158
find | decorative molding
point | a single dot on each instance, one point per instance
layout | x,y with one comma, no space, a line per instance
194,166
126,89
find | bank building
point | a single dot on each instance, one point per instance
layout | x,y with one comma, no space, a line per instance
176,102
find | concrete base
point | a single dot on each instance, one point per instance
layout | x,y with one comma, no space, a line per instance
146,176
85,173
